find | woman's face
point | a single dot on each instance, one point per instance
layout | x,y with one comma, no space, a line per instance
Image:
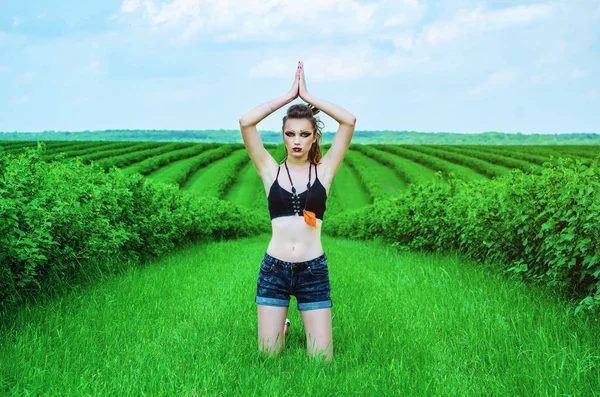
298,133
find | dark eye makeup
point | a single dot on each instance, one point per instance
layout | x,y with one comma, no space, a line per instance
303,134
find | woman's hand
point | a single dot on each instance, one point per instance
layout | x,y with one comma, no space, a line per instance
294,91
303,91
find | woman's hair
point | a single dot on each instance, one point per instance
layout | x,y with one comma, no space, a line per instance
301,111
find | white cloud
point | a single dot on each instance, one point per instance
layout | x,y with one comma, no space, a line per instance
331,63
323,63
494,83
273,20
404,41
321,66
129,6
401,13
16,21
470,22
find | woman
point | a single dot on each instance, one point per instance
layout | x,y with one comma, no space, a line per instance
295,263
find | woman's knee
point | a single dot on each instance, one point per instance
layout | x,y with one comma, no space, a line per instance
270,345
320,346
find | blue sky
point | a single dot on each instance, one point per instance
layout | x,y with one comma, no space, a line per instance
432,66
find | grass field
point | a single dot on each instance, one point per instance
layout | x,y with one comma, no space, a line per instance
403,324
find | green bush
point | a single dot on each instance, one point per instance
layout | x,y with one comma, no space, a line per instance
543,227
61,219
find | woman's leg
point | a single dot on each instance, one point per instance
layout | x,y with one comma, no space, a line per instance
271,323
319,338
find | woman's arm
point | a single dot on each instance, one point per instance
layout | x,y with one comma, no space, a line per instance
341,142
337,113
256,115
257,152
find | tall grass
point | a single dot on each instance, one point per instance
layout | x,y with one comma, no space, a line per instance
403,324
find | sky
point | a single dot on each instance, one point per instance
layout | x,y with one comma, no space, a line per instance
431,66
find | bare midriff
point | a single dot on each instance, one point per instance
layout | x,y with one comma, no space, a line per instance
293,240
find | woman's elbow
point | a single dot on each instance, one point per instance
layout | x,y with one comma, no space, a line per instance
243,122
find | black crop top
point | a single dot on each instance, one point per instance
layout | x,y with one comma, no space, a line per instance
281,201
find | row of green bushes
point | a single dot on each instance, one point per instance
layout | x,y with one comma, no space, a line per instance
396,163
426,160
367,175
153,163
480,166
494,158
588,152
516,153
82,149
63,220
136,156
193,164
115,151
10,146
229,170
544,227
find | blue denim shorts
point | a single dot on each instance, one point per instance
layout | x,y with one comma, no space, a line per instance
308,281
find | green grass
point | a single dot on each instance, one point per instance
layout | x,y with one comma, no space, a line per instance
249,190
348,190
413,172
210,179
477,165
378,181
432,162
403,324
165,173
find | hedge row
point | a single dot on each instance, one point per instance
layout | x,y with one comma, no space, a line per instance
112,152
480,166
229,169
133,157
426,160
153,163
398,165
367,176
15,149
63,220
544,227
519,153
183,174
83,149
494,158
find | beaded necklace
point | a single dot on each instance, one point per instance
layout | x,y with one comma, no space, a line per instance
309,216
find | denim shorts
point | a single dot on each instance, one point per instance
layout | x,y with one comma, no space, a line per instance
308,281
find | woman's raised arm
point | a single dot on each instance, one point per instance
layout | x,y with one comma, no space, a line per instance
257,152
341,141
